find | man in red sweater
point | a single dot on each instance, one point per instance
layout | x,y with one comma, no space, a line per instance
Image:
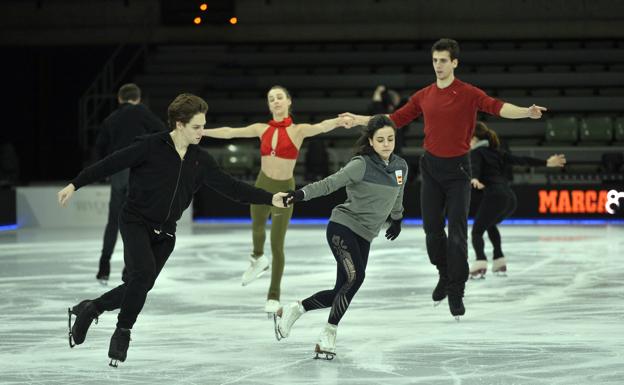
449,108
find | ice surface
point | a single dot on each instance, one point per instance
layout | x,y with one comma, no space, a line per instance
558,318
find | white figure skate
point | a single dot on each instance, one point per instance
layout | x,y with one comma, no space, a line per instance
257,267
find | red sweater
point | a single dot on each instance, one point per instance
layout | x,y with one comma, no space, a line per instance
450,116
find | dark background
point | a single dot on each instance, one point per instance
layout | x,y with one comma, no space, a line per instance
53,49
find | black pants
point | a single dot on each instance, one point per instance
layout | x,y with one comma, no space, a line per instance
445,192
118,194
498,202
145,254
351,253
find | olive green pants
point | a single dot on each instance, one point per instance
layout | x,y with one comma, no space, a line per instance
279,224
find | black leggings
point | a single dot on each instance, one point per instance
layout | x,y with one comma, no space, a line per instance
498,202
145,254
351,253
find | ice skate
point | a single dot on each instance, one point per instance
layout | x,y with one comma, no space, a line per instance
257,267
118,348
499,267
439,293
85,313
326,346
456,306
271,307
285,319
103,272
478,269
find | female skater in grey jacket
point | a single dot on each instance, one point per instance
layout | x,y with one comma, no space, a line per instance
374,181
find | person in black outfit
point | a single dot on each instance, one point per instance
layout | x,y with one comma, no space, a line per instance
489,164
119,129
166,169
386,101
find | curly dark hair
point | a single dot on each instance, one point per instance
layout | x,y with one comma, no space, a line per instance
362,145
184,107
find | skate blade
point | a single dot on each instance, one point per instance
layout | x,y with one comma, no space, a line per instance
278,335
477,276
113,363
260,274
437,303
103,282
69,333
323,355
500,273
457,318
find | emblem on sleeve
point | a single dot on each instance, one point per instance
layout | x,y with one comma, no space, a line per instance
399,176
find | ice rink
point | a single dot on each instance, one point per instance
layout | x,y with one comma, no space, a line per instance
558,318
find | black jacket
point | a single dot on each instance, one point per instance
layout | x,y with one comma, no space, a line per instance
488,165
162,185
121,127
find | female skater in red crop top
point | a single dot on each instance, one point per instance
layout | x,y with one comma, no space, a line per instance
279,148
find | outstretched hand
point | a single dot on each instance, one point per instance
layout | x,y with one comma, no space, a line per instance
535,112
295,196
394,230
358,120
557,160
65,194
346,121
280,200
476,183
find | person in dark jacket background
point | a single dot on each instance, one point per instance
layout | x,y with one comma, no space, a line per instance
119,129
489,164
386,101
166,169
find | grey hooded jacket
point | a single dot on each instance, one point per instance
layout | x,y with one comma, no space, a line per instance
374,191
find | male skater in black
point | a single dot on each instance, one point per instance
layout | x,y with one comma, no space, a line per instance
165,170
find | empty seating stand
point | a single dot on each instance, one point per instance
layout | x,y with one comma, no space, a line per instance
580,82
596,130
563,130
619,131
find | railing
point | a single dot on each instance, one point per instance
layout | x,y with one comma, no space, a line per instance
100,98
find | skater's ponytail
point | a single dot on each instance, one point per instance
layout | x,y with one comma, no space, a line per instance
362,145
483,132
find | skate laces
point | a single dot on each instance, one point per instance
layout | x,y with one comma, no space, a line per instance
288,318
328,336
90,311
123,338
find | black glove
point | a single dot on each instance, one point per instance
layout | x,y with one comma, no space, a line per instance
394,230
293,197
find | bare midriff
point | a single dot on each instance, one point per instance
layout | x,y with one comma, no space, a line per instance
277,168
280,168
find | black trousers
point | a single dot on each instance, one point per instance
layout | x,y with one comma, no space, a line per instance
145,254
118,194
351,253
445,193
498,202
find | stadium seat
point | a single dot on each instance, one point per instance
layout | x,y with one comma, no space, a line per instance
619,129
562,130
598,129
238,159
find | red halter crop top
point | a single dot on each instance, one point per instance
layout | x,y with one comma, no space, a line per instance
285,147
